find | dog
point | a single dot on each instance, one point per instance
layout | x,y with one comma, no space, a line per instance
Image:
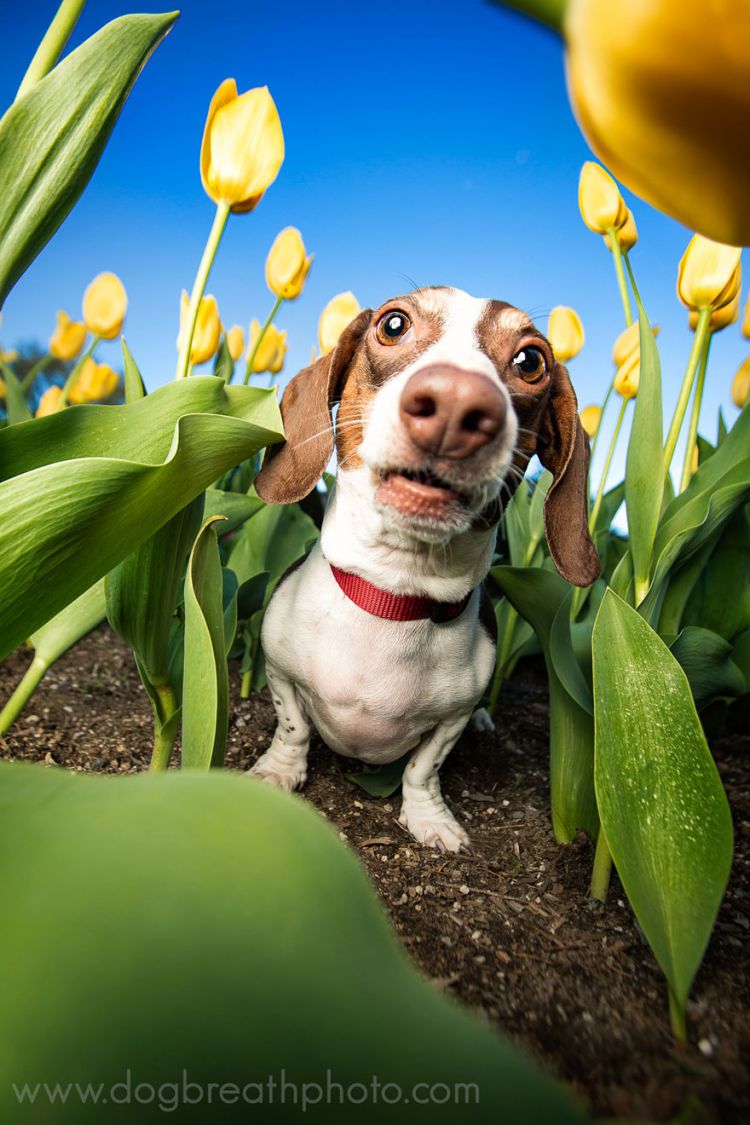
380,638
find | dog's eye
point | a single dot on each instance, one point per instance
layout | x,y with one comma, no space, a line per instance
530,364
393,327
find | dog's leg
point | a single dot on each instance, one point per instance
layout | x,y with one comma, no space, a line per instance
285,762
423,809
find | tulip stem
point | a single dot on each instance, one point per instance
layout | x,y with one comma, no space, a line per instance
52,45
702,331
602,871
23,693
595,441
607,466
165,728
199,286
620,272
72,379
28,380
687,468
259,341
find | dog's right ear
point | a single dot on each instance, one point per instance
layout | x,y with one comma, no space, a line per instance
293,468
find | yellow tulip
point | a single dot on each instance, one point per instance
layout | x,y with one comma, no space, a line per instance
601,205
627,342
721,317
628,376
338,313
50,402
709,274
746,320
272,351
68,338
95,382
9,357
565,333
590,419
661,91
287,265
741,384
207,332
243,146
236,341
694,461
2,388
105,303
627,235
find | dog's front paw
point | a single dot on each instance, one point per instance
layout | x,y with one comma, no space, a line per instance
481,720
437,829
282,770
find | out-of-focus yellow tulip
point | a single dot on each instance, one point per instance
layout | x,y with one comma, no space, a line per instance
746,320
628,342
272,351
50,402
207,328
662,93
628,376
741,384
2,387
627,235
243,146
601,205
709,274
721,317
236,341
68,338
287,264
694,460
9,357
338,313
95,383
565,333
590,417
105,303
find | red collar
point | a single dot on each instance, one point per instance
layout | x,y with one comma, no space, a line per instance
395,607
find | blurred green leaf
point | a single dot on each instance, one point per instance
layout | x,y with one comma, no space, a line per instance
644,471
15,399
82,489
223,362
51,138
706,660
134,386
662,805
383,781
205,691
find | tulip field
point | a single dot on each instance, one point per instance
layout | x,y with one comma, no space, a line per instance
174,919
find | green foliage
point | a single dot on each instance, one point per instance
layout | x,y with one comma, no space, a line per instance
645,462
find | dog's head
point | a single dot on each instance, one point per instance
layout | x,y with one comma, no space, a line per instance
443,399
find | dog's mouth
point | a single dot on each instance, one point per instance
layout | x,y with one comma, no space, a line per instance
418,492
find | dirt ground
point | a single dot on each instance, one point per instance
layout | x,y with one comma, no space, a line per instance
508,929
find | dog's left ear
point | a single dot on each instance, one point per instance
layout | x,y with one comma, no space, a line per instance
563,449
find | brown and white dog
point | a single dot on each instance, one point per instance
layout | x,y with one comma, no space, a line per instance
377,638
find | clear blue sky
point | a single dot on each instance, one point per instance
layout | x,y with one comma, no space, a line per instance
428,142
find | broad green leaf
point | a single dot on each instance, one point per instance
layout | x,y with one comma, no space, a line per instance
82,489
382,781
235,507
644,471
205,691
271,540
223,363
611,504
706,660
251,595
565,661
229,594
226,930
661,802
51,139
666,602
134,385
538,595
15,399
721,428
720,598
741,656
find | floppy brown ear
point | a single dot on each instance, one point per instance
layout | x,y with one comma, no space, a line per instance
293,468
563,448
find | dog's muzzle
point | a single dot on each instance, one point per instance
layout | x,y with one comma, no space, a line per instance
451,413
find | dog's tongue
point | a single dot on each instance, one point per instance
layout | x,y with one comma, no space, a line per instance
412,498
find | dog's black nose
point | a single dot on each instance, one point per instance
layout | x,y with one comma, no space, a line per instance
451,413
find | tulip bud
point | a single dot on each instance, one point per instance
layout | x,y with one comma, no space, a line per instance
9,357
694,460
68,338
2,388
628,343
287,266
338,313
236,341
708,274
746,320
272,351
628,376
50,403
243,146
741,384
627,235
721,317
565,333
95,382
207,332
590,419
601,205
105,303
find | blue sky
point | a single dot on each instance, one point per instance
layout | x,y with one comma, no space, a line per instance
427,143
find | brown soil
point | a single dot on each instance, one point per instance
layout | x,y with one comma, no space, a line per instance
509,929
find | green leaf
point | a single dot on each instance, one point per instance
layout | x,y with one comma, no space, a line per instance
229,594
271,540
538,595
235,507
611,503
205,691
15,399
644,471
223,363
706,660
662,806
251,595
236,925
134,386
82,489
720,597
383,781
51,139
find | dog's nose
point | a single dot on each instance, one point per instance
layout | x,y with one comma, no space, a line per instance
450,412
